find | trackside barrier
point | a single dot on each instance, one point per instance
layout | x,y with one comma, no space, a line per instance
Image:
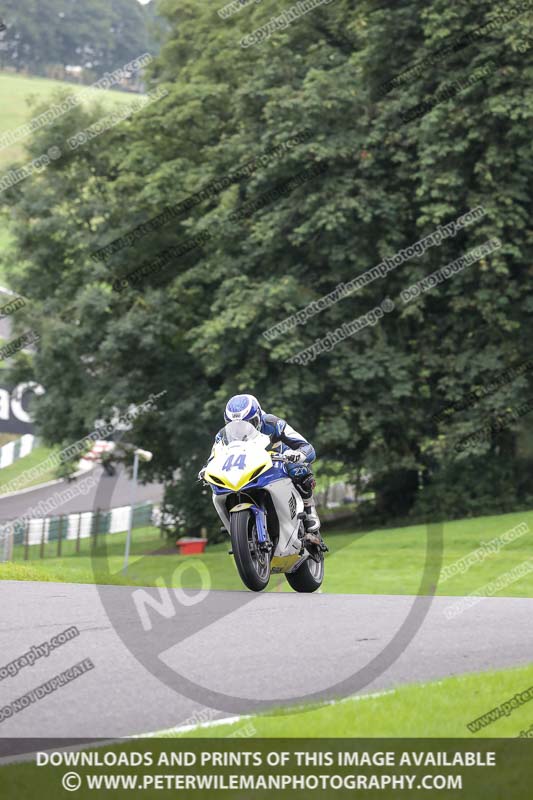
47,536
12,451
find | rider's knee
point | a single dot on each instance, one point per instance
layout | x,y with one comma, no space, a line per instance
305,484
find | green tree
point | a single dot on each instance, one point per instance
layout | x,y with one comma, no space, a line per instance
196,326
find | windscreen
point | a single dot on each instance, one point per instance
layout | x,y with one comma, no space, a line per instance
239,431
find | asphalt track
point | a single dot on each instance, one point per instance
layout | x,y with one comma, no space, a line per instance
271,646
15,505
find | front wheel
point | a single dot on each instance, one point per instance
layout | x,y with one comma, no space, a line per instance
308,577
252,562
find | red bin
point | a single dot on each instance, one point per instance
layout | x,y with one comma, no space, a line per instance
189,546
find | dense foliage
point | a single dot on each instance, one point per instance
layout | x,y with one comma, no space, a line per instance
195,327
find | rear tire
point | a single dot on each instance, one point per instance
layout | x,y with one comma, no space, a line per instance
307,578
253,564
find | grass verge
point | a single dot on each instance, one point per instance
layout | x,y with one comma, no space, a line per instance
380,562
439,709
18,467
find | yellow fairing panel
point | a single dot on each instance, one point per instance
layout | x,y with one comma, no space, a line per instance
284,563
219,479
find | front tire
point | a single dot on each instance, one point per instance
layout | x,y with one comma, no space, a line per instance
308,578
252,563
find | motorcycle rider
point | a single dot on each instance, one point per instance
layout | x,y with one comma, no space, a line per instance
298,451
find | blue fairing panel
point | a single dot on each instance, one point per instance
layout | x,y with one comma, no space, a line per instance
272,474
219,490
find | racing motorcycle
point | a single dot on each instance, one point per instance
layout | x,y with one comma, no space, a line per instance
262,511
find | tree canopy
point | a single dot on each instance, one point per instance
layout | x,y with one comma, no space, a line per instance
383,180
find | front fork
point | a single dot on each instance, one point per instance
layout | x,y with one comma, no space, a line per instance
263,539
261,527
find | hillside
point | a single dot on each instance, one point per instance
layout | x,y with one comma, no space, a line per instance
17,90
15,93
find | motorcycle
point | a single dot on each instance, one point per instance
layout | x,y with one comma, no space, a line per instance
262,511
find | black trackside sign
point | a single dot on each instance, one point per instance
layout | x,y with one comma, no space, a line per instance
15,403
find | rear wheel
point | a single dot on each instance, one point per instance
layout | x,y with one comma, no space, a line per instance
308,577
252,562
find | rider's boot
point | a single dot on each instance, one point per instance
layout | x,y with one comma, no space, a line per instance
312,524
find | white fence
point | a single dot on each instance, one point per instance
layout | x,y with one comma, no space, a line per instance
68,527
19,448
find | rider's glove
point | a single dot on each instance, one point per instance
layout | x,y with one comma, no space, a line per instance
294,455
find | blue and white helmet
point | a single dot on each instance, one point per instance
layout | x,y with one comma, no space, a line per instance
243,406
